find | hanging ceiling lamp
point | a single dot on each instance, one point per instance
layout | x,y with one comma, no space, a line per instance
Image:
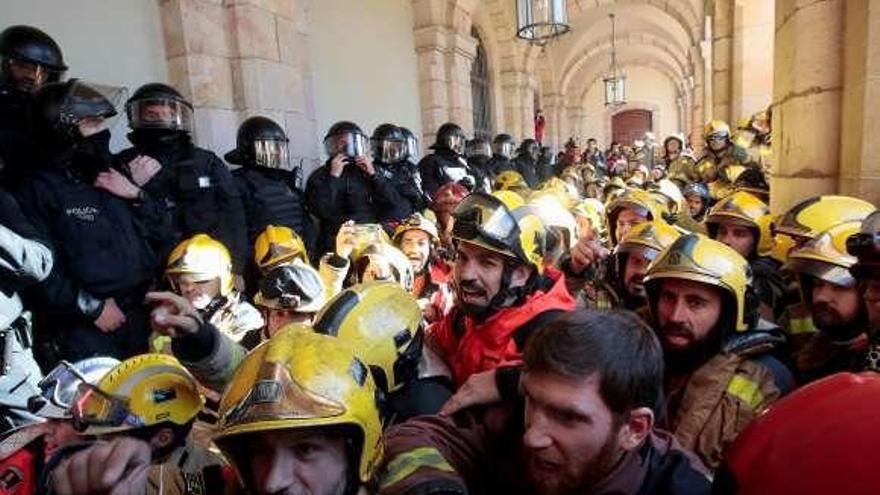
541,21
615,81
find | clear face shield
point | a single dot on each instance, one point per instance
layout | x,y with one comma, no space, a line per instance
272,153
504,149
480,148
350,144
389,150
456,143
57,389
160,113
90,102
94,407
413,150
28,76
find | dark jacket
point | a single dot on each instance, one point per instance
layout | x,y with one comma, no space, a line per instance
271,197
528,168
405,179
498,164
102,250
479,453
16,145
199,195
351,196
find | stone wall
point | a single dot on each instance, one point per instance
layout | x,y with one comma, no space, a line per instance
238,58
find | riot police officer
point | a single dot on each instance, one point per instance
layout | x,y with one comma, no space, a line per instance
503,148
99,224
447,163
268,187
526,162
195,186
29,58
348,186
389,157
479,152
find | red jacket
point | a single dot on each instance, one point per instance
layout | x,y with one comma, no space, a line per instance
470,347
18,473
433,286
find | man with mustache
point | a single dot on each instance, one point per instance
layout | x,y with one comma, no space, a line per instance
742,221
585,424
418,239
831,294
622,286
502,288
721,371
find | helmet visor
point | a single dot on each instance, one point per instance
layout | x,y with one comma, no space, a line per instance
478,217
29,75
95,408
455,142
480,148
413,150
160,113
88,101
272,153
350,144
56,387
389,151
504,149
828,272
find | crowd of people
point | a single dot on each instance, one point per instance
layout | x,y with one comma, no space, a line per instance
489,318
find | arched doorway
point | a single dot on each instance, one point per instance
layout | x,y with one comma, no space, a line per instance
480,90
629,125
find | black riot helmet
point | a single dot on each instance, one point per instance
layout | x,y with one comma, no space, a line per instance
59,107
450,137
413,149
159,106
345,138
503,145
531,149
260,142
28,47
479,147
388,144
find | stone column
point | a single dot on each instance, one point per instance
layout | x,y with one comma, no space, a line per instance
722,54
235,59
552,106
681,116
699,99
859,147
808,76
752,64
271,72
199,50
518,100
446,52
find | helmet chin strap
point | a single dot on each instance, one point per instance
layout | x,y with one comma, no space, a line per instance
215,305
508,296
